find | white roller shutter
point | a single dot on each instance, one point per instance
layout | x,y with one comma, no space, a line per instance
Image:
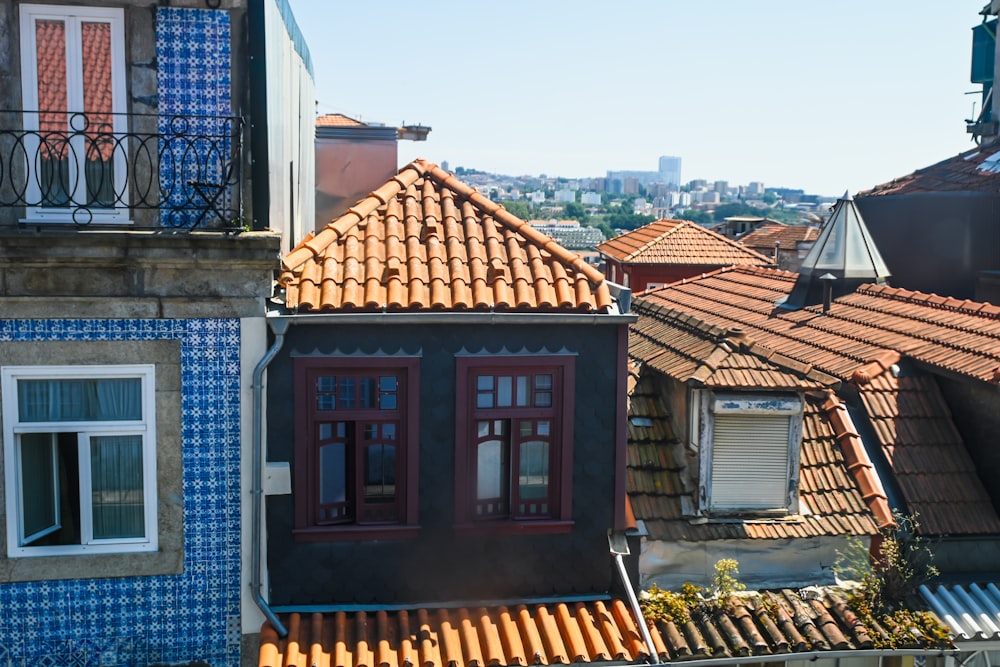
749,467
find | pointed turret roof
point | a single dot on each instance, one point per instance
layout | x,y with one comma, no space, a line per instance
845,248
843,257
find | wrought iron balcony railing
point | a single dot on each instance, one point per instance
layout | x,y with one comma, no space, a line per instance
179,171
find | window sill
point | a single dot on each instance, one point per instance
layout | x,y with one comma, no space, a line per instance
776,516
353,533
488,528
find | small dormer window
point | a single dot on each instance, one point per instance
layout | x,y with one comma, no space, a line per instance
749,445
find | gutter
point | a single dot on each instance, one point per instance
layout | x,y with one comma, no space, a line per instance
438,604
451,317
279,327
813,655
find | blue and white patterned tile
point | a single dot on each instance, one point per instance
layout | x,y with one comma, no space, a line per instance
132,620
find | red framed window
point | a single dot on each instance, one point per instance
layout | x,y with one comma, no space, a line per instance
356,441
514,441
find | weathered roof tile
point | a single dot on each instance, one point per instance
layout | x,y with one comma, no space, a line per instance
831,495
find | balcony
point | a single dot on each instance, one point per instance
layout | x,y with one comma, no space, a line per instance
104,170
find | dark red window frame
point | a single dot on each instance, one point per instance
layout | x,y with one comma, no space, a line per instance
513,511
328,415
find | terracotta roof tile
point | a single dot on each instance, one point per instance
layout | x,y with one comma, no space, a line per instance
923,448
972,171
713,357
764,237
762,623
775,623
864,338
679,242
558,633
338,120
662,488
962,337
427,241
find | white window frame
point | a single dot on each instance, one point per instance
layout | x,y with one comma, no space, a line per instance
73,17
13,428
704,408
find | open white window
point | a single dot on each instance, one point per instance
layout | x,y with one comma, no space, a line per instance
73,95
80,459
749,444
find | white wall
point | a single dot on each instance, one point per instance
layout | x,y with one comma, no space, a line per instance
291,130
762,563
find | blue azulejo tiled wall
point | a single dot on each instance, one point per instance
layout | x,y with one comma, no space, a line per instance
145,620
194,78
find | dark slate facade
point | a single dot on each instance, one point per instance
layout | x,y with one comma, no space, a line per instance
439,565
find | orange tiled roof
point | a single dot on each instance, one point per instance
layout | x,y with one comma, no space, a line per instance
427,241
951,334
679,242
929,461
975,170
560,633
686,349
764,237
861,337
838,491
337,120
755,624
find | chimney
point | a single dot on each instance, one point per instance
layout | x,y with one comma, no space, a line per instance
827,279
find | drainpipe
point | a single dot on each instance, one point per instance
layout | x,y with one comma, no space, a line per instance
619,547
279,327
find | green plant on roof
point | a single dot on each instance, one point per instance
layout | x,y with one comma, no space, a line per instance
667,606
663,606
726,580
887,578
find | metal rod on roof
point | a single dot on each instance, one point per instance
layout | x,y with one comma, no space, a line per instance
618,546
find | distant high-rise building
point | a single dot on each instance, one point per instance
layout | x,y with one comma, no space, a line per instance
444,165
670,169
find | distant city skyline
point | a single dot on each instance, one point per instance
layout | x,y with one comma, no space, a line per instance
823,98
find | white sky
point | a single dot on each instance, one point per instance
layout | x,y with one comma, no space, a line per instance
824,96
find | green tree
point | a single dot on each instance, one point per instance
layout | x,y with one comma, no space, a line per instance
605,229
724,211
630,221
574,211
694,215
521,209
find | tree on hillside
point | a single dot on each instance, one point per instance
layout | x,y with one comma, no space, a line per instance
605,229
694,215
630,221
521,209
575,211
723,211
